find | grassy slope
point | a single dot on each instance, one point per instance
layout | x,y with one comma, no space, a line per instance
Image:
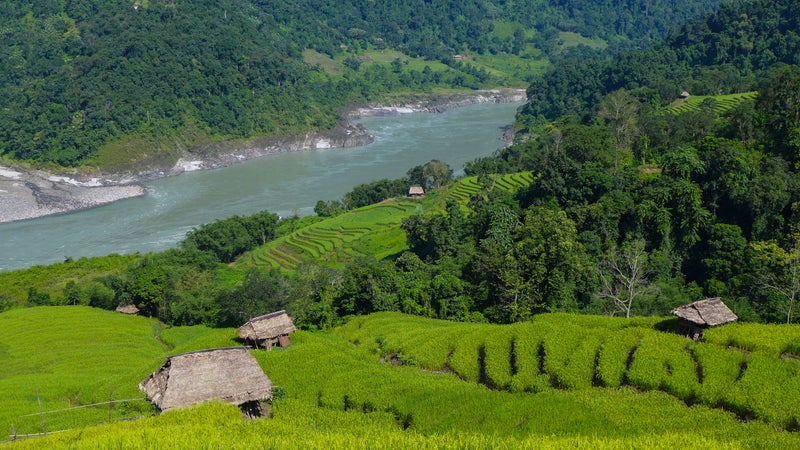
508,70
338,394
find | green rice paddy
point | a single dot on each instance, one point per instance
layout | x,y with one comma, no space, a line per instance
395,381
465,188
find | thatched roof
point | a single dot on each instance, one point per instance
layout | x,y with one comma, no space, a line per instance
127,309
229,374
709,312
416,190
268,326
685,94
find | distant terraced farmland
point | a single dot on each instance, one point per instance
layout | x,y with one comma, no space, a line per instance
469,186
372,230
722,103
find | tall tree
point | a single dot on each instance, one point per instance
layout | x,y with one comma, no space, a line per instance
781,273
620,110
543,269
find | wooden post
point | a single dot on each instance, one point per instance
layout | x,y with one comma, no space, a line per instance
13,433
41,413
110,404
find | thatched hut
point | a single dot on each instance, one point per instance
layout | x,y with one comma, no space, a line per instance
229,374
416,191
127,309
696,317
268,330
684,95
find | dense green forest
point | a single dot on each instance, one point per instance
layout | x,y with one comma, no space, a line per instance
119,83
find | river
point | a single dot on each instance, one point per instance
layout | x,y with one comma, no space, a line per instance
286,183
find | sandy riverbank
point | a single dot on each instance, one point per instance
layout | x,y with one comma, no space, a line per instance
27,195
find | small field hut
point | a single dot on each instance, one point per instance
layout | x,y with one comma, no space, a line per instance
416,192
268,330
128,309
696,317
229,374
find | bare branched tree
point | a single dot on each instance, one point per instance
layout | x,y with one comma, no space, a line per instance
624,275
786,282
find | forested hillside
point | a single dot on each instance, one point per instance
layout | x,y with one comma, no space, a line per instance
117,82
78,75
719,53
661,199
437,28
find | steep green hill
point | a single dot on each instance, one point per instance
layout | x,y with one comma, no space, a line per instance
345,389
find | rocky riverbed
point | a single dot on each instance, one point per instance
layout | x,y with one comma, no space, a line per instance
26,195
30,194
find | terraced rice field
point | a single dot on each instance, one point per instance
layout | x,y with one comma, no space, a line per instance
576,353
560,381
722,103
372,230
469,186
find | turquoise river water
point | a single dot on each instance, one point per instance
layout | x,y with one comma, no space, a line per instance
286,183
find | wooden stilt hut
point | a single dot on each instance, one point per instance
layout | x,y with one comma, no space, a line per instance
229,374
269,330
696,317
